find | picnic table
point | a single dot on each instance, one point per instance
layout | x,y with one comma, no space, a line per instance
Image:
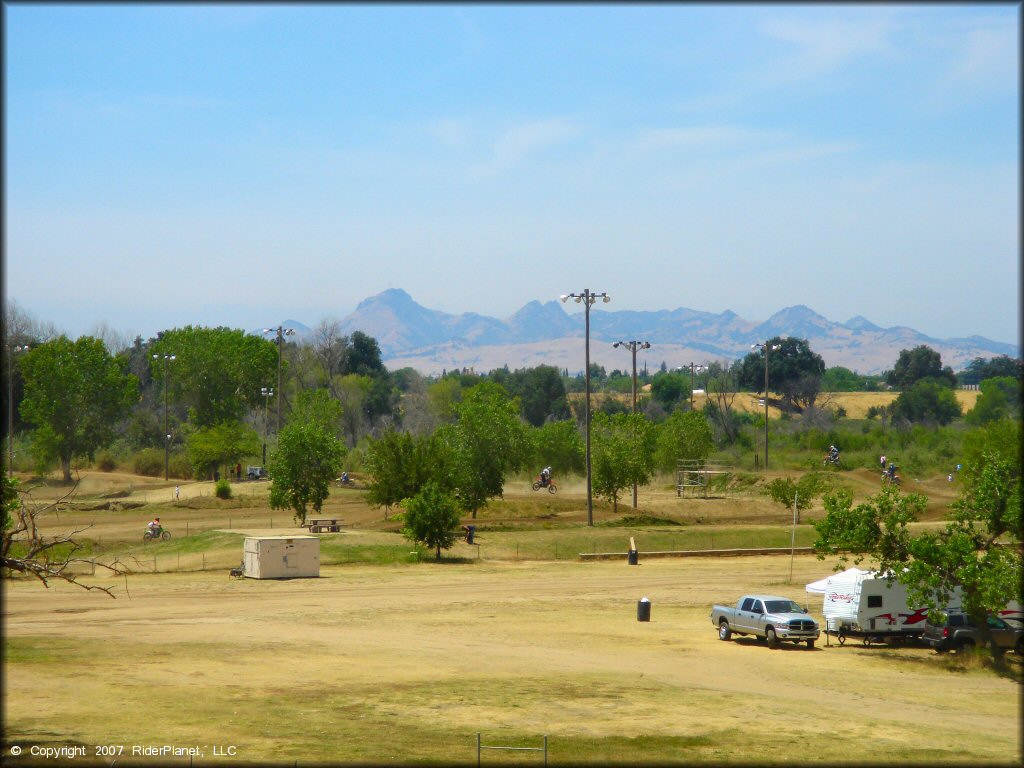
320,524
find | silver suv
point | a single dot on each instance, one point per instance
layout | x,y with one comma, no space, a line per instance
957,633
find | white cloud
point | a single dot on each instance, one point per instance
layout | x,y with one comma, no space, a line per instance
515,144
819,47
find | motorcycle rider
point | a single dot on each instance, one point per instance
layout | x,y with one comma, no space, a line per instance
545,477
891,471
154,525
833,454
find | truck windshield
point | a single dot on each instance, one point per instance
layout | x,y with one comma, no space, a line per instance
783,606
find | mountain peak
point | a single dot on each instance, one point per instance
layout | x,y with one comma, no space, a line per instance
393,297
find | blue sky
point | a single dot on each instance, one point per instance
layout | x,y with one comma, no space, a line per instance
244,164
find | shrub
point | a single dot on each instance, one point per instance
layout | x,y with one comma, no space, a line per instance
223,489
106,461
179,465
148,461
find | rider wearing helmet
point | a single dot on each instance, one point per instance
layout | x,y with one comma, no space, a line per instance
545,477
833,453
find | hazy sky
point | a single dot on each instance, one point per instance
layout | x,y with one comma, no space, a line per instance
242,165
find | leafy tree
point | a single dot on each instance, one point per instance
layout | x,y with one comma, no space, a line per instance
621,453
928,401
318,406
401,465
980,369
307,459
559,445
75,392
432,517
967,553
683,436
1000,398
670,388
444,397
218,372
794,372
353,392
803,491
363,356
921,362
488,440
541,394
219,445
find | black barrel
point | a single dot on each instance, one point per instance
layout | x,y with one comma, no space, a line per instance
643,609
633,558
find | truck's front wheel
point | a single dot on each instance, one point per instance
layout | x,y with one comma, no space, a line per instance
724,633
773,641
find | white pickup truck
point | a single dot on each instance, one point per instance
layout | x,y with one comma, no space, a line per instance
767,617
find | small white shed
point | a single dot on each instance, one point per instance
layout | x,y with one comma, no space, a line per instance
282,557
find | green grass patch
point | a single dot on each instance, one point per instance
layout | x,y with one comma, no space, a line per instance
641,519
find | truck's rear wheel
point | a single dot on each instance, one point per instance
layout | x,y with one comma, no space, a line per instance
724,633
773,641
965,646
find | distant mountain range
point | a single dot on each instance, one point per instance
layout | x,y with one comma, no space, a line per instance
430,341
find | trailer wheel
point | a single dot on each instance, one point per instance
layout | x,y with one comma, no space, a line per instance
842,638
867,641
724,633
773,641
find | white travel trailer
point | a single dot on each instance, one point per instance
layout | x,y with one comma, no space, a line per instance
859,603
281,557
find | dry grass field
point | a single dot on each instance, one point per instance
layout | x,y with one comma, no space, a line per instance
405,663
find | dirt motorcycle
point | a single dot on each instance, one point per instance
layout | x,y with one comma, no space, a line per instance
160,534
830,458
891,479
550,485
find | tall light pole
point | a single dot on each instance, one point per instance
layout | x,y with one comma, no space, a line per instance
167,435
10,403
633,346
766,347
267,393
692,367
587,298
281,333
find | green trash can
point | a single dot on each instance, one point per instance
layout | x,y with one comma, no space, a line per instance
643,609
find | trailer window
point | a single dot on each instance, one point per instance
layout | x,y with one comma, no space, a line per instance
874,601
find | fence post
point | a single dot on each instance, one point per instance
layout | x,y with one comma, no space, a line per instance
154,563
204,561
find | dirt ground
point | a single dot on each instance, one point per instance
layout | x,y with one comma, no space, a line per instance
404,664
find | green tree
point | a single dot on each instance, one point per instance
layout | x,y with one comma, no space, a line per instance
1000,398
217,372
670,388
921,362
794,372
927,401
980,369
786,491
318,406
488,440
621,453
75,393
683,436
541,394
307,459
431,517
559,445
401,464
219,445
